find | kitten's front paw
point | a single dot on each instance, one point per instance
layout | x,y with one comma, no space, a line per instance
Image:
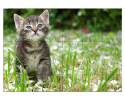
42,74
41,77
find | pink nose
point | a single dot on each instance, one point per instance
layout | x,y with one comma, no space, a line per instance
34,29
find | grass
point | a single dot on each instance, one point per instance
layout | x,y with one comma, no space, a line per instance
82,62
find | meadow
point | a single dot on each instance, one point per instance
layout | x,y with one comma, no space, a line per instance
79,61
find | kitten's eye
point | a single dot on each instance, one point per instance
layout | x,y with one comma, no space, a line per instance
28,27
39,26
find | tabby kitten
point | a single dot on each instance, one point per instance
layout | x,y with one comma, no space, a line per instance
32,49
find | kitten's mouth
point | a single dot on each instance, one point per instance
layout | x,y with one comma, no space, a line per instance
35,34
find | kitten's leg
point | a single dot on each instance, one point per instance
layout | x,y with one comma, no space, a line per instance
44,69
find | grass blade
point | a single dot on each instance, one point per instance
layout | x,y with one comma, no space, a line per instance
55,77
74,59
106,79
16,83
8,62
109,77
21,76
23,87
74,85
80,66
88,74
67,67
6,77
84,87
16,57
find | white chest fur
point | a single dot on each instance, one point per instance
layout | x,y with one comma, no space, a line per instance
32,59
32,62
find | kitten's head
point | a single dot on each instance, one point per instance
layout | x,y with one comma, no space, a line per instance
32,27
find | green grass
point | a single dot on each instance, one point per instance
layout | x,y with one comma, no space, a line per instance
90,65
107,79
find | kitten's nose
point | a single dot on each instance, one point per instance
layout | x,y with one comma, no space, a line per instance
34,29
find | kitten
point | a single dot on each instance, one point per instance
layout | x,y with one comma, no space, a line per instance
32,49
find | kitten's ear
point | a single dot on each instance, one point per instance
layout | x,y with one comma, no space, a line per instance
18,21
45,16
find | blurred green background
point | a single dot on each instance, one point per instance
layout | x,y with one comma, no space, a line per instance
100,19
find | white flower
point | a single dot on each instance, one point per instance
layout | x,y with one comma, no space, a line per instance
86,84
113,82
54,47
91,70
110,65
121,72
13,82
11,87
103,81
100,82
79,60
6,67
39,83
107,45
95,87
75,69
119,90
69,82
36,85
15,89
12,70
40,88
80,71
56,62
100,63
117,86
30,81
45,89
57,73
76,40
105,57
77,50
92,61
31,88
